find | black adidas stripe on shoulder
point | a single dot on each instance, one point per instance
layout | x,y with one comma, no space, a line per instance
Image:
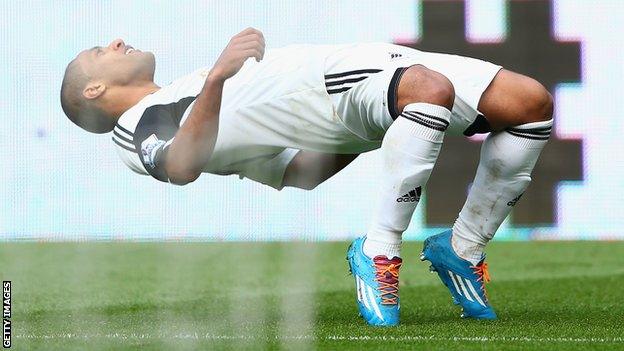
124,129
123,145
124,138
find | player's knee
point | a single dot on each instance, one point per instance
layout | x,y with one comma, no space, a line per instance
441,92
539,104
420,84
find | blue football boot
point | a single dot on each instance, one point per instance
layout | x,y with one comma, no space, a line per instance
465,281
376,284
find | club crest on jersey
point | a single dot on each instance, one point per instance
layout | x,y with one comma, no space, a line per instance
150,149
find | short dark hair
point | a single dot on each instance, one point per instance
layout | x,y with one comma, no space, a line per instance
80,111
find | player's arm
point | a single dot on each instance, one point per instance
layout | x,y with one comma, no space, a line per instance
194,142
309,169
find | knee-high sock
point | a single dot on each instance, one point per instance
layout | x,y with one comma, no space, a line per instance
504,172
410,148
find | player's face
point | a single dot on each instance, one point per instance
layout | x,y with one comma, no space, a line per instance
117,63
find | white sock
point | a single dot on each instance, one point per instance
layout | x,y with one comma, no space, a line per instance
410,148
504,172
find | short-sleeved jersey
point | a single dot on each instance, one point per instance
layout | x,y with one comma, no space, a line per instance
269,111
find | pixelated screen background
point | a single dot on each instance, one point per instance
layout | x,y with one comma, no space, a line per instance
61,183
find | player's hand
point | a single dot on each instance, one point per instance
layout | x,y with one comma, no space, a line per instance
246,44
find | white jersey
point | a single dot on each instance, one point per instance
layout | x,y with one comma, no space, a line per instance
269,111
325,98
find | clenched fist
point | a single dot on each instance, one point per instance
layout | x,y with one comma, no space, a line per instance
246,44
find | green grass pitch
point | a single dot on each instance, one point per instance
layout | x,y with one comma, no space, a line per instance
237,296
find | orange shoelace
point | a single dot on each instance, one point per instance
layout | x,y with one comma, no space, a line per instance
483,275
387,276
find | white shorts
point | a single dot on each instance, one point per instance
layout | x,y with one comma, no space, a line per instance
367,106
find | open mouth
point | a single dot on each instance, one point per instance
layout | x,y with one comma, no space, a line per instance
129,50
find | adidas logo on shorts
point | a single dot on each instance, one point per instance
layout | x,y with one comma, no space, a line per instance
513,202
412,196
394,55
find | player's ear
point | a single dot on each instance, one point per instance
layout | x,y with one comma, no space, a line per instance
93,90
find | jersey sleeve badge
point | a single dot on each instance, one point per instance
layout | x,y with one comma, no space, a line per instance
151,149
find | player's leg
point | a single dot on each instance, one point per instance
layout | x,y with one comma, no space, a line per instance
519,109
410,148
